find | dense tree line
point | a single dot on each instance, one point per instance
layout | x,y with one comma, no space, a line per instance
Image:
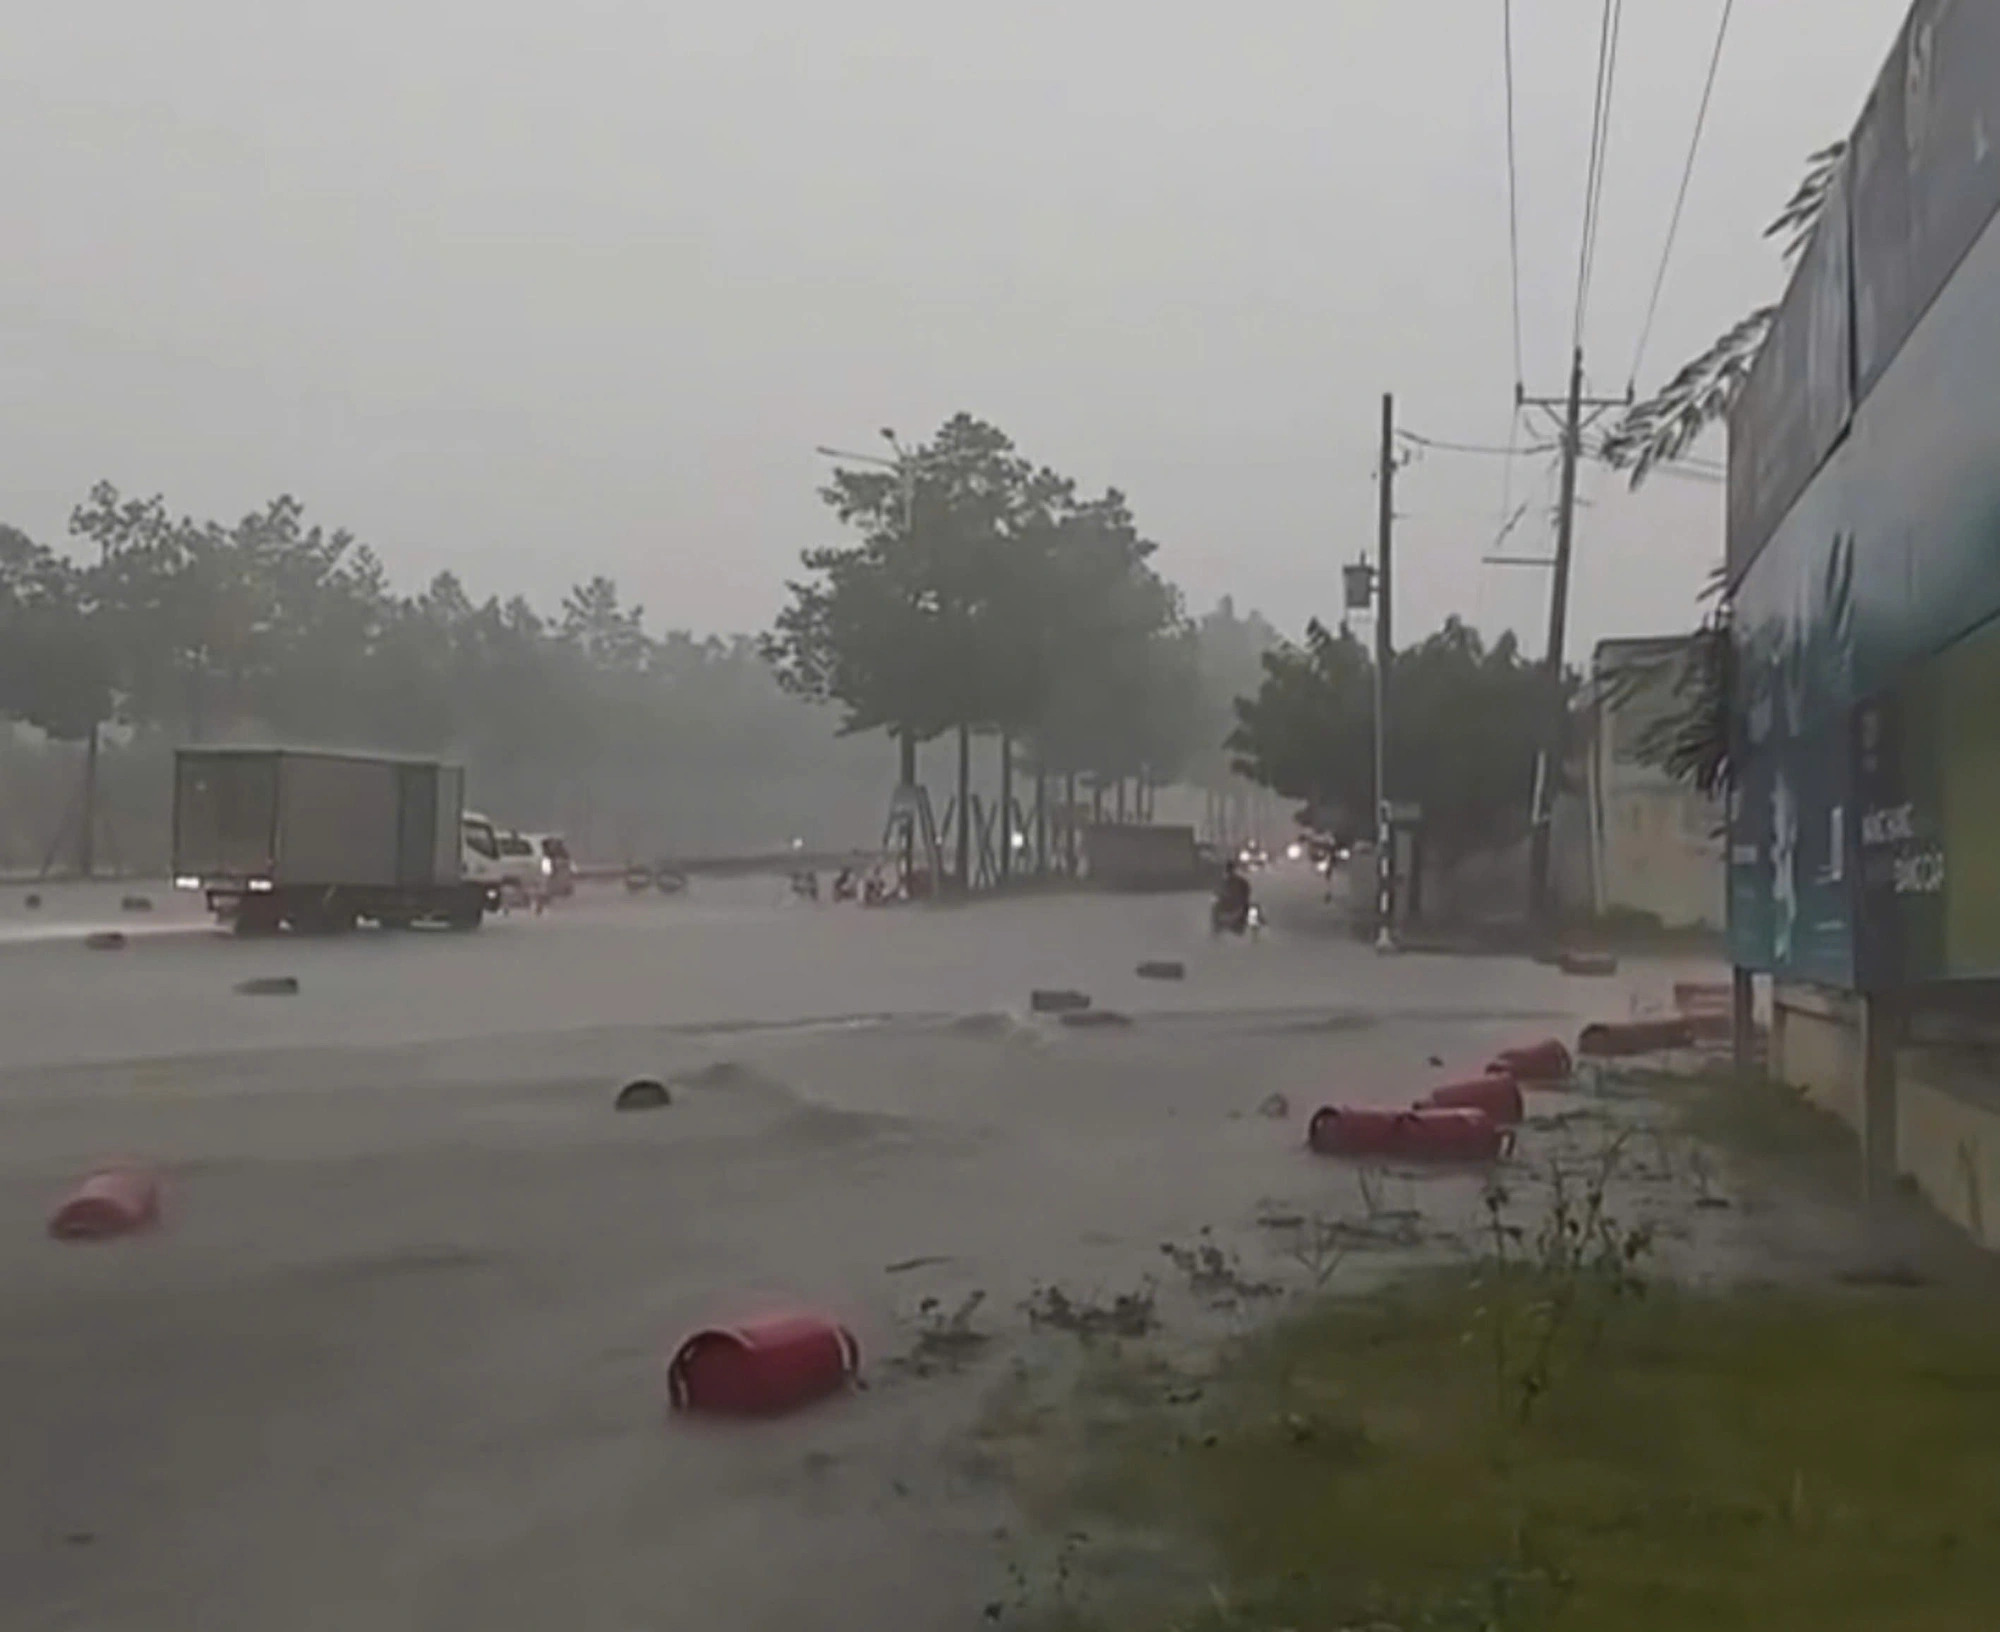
167,630
1465,726
982,596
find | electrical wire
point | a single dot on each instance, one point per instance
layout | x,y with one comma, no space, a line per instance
1513,188
1680,198
1437,445
1600,143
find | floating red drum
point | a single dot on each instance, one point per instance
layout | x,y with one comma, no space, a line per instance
1546,1061
111,1202
1353,1130
1496,1093
1622,1039
1440,1134
762,1367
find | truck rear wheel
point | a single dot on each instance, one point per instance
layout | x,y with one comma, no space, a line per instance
255,916
324,918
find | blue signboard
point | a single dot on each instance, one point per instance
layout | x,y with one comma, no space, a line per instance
1790,843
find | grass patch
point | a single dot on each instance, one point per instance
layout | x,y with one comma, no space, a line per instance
1763,1461
1761,1119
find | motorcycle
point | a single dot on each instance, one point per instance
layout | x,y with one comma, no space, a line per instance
1226,919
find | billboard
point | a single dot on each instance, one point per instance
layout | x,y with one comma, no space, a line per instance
1925,174
1927,757
1790,838
1798,398
1864,550
1879,219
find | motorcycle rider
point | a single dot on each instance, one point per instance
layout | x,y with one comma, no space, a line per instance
1232,900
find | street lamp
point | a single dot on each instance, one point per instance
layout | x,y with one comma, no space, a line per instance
905,467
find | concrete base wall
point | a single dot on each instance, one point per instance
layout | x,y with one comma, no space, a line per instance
1948,1142
1816,1048
1946,1114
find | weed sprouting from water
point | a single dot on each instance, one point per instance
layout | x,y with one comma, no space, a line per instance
1552,1288
1130,1314
1214,1275
946,1338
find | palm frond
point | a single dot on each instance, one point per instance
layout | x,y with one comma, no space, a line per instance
1662,428
1798,220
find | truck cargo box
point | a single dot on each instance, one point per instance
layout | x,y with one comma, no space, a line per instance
308,819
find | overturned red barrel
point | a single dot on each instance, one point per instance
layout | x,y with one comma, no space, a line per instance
1436,1133
1622,1039
1352,1130
1496,1093
762,1367
1426,1134
1546,1061
111,1202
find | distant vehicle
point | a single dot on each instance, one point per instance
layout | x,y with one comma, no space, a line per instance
520,867
479,846
277,838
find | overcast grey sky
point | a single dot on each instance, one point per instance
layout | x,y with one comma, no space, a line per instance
533,291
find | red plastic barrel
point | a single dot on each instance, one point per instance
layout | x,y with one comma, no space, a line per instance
1496,1093
1622,1039
1446,1134
1352,1130
762,1367
1546,1061
111,1202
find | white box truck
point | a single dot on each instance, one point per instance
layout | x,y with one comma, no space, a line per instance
319,842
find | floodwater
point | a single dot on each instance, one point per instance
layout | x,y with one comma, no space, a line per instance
395,1358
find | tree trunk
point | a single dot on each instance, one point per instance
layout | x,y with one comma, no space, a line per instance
1006,808
964,809
86,833
906,778
1041,820
1120,805
1069,823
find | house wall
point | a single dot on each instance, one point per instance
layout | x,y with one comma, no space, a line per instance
1657,843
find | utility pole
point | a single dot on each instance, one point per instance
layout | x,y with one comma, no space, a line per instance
1385,852
1549,763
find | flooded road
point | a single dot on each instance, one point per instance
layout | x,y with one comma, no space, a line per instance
395,1358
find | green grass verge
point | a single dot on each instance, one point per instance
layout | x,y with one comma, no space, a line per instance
1763,1461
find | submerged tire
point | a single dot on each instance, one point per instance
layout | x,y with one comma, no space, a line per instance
643,1094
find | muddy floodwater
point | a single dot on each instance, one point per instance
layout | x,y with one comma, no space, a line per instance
394,1359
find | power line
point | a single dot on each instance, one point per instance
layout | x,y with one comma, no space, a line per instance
1437,445
1680,198
1513,187
1600,144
